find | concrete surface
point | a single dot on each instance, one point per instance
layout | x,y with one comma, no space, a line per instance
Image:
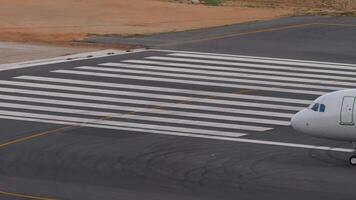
11,52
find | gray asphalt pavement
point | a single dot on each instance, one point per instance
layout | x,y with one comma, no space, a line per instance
204,118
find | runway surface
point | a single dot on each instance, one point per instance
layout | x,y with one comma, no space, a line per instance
185,122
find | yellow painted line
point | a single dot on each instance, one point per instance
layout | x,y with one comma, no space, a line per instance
244,33
244,91
157,107
183,102
24,196
105,118
40,134
35,135
131,113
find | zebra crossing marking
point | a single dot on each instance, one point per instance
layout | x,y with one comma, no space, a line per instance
148,95
307,77
175,110
121,124
182,105
148,110
236,95
203,77
227,76
270,61
186,81
289,68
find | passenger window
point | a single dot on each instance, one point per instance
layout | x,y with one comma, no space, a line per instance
315,107
322,108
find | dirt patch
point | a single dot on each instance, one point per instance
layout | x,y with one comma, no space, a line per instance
72,20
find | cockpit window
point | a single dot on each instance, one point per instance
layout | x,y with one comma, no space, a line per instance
318,107
322,108
315,107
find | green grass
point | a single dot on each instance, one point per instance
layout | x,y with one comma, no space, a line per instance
212,2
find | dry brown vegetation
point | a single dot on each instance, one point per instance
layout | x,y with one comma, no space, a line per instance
329,6
337,5
347,5
299,7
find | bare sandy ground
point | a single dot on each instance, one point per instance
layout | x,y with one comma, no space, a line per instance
67,20
59,22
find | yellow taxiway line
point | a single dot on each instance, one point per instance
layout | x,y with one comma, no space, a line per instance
23,196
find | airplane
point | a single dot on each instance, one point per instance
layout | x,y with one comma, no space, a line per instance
330,116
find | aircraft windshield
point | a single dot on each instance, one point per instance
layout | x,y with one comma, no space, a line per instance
322,108
315,107
318,107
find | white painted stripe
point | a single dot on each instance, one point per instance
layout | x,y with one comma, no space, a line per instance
254,57
206,83
102,124
269,61
105,126
121,116
222,79
234,74
151,95
151,110
284,144
233,139
37,120
145,103
164,89
252,65
248,70
118,123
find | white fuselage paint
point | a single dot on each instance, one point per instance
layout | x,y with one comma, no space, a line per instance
336,122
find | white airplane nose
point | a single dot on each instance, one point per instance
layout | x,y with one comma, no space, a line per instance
298,122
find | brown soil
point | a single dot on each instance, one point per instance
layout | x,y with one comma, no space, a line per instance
68,20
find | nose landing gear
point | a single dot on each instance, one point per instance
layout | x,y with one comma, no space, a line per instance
352,159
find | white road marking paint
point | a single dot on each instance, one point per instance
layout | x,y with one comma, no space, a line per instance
232,139
211,78
253,57
146,102
164,89
151,110
270,61
219,74
184,81
314,77
86,124
283,144
121,116
289,68
119,123
152,95
92,123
